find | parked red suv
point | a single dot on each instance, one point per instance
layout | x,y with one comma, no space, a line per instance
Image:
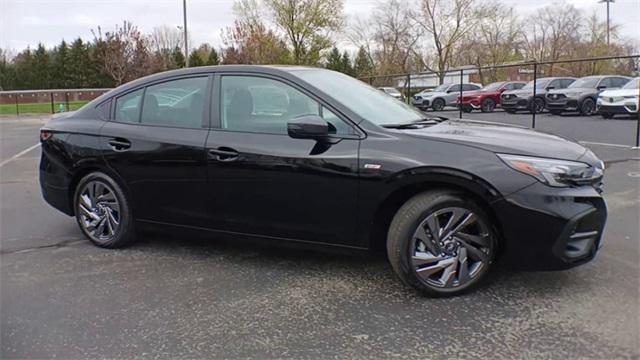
487,98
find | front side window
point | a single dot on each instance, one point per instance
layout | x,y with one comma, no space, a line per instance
256,104
178,103
633,84
454,88
128,107
619,82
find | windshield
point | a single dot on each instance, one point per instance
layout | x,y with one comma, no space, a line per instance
633,84
364,100
587,82
493,87
539,84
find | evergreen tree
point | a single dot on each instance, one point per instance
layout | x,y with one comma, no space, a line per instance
177,58
61,73
41,68
195,59
334,60
24,70
362,65
213,58
345,64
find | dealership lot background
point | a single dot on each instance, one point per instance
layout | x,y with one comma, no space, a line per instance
188,296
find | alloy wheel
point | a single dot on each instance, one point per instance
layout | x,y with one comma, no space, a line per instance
99,211
451,247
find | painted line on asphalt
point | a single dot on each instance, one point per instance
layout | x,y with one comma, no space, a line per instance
4,162
606,144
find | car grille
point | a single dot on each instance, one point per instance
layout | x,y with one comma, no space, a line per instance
556,96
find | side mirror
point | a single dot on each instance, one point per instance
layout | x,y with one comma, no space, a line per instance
308,127
601,87
550,87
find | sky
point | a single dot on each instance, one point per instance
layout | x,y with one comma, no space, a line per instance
27,22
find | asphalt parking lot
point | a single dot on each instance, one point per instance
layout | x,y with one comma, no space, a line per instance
182,296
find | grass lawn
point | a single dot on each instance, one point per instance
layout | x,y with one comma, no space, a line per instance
38,108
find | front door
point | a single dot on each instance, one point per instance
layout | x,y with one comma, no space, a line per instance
156,144
261,181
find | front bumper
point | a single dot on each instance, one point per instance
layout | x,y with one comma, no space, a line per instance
629,107
422,103
565,104
517,103
547,228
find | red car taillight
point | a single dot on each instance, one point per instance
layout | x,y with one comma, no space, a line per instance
45,135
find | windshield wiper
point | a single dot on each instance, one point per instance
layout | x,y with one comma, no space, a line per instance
433,120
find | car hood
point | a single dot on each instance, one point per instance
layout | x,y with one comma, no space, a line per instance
502,139
572,91
522,93
433,93
620,92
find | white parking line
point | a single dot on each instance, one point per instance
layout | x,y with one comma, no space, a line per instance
606,144
4,162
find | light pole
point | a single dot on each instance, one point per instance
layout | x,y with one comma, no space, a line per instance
186,44
608,27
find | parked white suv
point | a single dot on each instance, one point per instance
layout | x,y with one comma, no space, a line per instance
619,101
441,96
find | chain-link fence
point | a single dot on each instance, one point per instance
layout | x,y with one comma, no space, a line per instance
22,102
469,78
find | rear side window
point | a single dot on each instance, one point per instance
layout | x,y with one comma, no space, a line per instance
516,86
454,88
128,107
177,103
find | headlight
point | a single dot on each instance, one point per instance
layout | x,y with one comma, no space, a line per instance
553,172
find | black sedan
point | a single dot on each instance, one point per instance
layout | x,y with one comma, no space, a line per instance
316,158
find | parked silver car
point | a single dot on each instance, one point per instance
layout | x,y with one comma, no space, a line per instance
523,99
441,96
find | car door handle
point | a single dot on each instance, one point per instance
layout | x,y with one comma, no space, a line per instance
224,154
119,144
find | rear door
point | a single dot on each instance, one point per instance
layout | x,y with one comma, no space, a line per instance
155,142
263,182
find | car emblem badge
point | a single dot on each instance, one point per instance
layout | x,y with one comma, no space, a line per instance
610,99
373,166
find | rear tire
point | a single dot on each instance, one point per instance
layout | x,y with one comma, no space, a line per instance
466,108
103,211
429,261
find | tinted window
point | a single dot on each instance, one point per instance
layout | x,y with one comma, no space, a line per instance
256,104
556,84
454,88
566,82
619,82
585,82
103,110
467,87
177,103
516,86
128,107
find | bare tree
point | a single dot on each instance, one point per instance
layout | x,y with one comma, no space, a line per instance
122,53
446,22
552,32
162,41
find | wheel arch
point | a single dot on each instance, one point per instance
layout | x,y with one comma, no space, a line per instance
83,169
412,182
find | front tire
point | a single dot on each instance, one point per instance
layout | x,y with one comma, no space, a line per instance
441,243
103,212
538,105
588,107
438,105
488,105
